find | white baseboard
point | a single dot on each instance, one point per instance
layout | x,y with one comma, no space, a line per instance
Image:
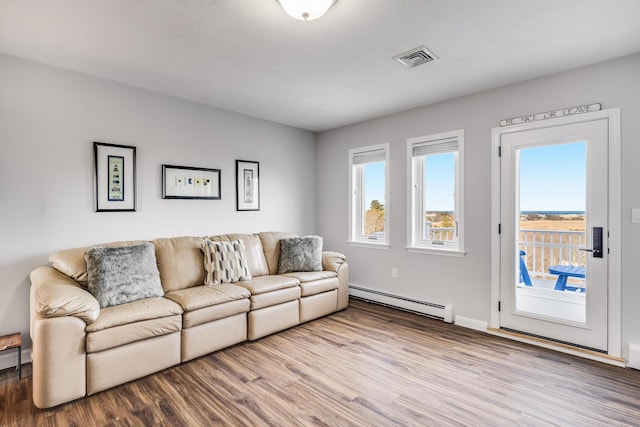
467,322
634,356
9,358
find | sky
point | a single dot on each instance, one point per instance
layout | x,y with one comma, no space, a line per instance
552,178
439,177
374,184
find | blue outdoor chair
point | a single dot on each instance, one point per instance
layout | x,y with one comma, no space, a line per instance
524,273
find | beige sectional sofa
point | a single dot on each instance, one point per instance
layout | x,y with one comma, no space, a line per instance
80,349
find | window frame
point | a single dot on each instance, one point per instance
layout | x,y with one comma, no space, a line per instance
416,243
356,198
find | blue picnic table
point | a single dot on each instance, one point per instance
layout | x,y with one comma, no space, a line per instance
564,272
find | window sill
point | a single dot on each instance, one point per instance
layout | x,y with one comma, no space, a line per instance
373,245
430,251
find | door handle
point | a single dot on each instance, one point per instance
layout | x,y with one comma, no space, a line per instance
597,243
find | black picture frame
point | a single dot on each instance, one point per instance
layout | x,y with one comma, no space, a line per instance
187,182
115,177
247,185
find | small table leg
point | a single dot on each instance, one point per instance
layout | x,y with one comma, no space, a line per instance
19,362
561,283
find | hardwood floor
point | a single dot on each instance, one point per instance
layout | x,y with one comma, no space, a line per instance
365,366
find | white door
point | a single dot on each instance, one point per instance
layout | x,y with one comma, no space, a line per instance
553,214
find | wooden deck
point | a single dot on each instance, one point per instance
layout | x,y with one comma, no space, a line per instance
365,366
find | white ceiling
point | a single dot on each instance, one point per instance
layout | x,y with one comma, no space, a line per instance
249,56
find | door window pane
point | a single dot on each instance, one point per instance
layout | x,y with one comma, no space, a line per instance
552,221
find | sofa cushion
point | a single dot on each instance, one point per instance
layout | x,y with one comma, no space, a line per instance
180,262
118,275
271,247
319,286
136,311
268,299
204,296
71,261
224,262
300,254
203,315
311,276
132,332
262,284
315,282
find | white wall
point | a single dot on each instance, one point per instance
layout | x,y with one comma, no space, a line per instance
49,119
465,282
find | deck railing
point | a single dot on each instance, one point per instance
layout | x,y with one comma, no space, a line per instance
438,233
551,247
542,247
443,233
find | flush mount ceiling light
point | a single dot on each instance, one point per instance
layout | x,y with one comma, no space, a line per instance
306,10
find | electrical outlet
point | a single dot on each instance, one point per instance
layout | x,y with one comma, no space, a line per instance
394,272
635,215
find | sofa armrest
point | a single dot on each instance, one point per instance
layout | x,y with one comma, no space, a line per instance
57,295
335,261
331,261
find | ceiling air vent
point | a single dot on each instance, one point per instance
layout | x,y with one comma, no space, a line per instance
415,57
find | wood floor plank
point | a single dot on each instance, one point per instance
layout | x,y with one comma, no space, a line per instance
365,366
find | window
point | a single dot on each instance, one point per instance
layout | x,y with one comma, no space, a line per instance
435,165
368,210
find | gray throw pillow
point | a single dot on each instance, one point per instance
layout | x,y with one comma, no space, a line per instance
119,275
300,254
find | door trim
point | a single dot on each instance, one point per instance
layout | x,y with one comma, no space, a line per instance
614,294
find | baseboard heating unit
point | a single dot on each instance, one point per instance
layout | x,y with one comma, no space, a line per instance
438,311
